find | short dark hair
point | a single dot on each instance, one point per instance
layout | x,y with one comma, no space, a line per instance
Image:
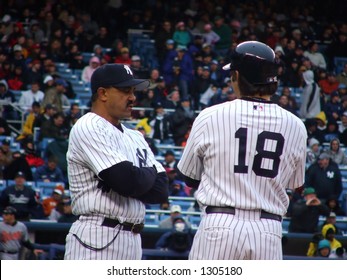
250,90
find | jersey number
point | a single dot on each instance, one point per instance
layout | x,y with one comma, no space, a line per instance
241,134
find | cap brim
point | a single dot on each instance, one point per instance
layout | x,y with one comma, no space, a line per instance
139,84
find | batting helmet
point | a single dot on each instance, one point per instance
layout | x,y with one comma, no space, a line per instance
255,61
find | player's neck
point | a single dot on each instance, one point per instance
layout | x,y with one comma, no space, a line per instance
263,98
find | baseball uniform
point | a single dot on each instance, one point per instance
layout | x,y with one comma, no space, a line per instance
245,153
12,237
95,145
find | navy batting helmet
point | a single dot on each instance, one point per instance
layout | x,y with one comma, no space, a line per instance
255,61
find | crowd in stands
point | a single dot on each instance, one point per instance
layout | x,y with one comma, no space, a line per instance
192,41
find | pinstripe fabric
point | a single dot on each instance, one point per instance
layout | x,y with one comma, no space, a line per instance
95,145
245,153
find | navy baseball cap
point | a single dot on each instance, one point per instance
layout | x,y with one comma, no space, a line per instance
116,75
9,210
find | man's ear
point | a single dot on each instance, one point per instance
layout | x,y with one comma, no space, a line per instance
102,93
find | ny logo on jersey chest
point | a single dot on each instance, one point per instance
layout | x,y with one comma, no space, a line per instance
142,156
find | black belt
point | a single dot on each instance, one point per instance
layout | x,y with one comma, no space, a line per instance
134,228
231,210
9,252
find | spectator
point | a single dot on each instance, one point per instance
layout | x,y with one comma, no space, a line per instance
51,202
54,128
332,131
28,97
74,57
167,65
175,211
182,119
72,115
334,205
165,33
5,154
103,37
306,212
139,71
31,155
325,176
317,59
124,57
49,172
160,125
209,36
172,99
45,116
183,71
177,188
333,108
34,73
283,102
56,96
181,36
336,153
331,220
291,76
67,215
28,126
312,250
94,62
329,84
178,239
323,248
310,105
18,164
313,151
8,97
13,236
338,48
58,149
225,34
16,81
170,160
19,196
328,232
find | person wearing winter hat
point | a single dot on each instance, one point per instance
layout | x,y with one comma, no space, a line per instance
328,232
336,153
87,71
306,212
313,150
311,104
323,248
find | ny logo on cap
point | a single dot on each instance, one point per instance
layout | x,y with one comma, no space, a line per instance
127,68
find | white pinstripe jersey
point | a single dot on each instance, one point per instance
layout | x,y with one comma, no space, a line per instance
246,153
95,145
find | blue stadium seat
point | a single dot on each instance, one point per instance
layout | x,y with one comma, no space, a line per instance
31,184
47,188
194,220
151,219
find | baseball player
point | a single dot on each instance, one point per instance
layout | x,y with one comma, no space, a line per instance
241,156
112,172
13,235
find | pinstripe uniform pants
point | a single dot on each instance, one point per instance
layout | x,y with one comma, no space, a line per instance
243,236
